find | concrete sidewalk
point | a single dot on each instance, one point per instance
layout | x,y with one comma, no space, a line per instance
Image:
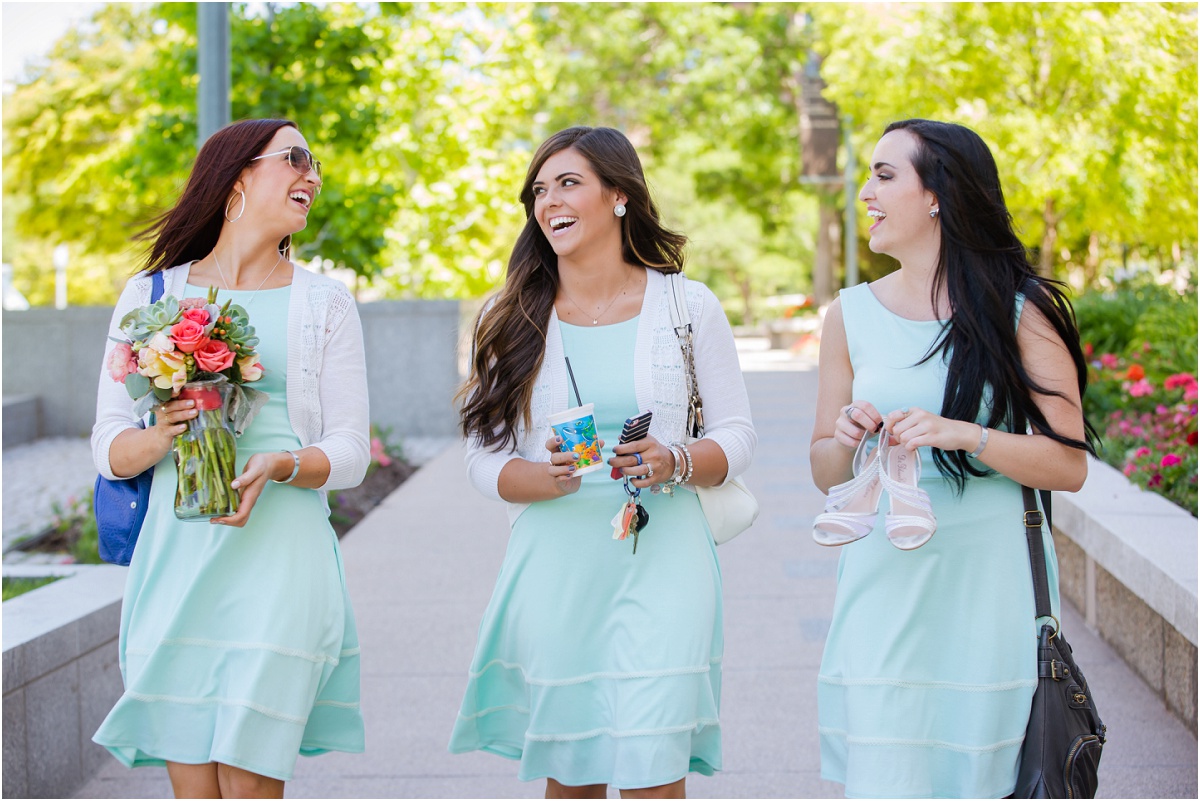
421,569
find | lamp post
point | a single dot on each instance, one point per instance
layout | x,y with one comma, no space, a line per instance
213,42
61,257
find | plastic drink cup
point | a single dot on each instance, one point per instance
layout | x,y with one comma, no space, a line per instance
577,427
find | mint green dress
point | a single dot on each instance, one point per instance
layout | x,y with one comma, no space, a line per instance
595,665
929,667
238,645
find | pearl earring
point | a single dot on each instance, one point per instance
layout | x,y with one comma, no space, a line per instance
619,210
933,213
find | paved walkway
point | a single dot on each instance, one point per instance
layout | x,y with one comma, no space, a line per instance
421,568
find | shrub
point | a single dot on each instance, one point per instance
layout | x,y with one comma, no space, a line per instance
1141,344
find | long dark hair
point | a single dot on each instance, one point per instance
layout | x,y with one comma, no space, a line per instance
983,265
510,332
190,229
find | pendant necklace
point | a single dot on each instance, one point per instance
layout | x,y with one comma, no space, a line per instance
596,319
260,286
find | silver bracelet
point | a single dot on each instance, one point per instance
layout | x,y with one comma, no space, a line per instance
983,435
295,470
687,457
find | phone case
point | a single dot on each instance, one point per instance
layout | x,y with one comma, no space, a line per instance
635,428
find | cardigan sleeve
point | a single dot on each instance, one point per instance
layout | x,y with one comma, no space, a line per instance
484,466
114,407
345,412
722,389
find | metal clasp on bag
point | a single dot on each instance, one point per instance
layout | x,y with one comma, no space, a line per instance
1037,520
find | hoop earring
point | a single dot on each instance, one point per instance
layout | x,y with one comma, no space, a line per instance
619,210
230,203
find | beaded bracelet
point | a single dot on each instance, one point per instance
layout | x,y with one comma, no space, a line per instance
687,457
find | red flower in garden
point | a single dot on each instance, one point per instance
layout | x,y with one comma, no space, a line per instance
1191,439
1135,372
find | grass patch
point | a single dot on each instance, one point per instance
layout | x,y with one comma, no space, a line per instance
19,586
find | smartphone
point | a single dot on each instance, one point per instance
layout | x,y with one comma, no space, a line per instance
635,428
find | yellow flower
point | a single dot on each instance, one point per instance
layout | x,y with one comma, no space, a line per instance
250,368
165,370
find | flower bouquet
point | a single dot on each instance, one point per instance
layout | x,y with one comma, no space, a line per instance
194,349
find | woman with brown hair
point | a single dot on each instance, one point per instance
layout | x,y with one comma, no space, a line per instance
238,646
596,664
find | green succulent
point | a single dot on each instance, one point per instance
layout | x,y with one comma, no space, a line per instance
143,323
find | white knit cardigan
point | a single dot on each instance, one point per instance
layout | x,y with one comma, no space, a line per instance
659,384
326,373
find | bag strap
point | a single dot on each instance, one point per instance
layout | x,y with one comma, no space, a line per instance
681,321
1033,519
157,287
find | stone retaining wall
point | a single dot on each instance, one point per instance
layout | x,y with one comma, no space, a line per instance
412,367
1128,561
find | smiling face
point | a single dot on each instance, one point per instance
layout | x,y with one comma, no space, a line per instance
573,208
276,195
897,204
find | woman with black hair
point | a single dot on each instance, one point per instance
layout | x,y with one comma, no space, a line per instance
597,665
948,383
238,646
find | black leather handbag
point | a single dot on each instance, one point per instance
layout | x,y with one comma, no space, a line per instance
1065,735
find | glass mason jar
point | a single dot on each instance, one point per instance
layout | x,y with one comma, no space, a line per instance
206,456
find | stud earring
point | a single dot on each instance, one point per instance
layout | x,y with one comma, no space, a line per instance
934,213
619,209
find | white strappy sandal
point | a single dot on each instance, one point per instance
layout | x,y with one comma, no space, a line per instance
910,521
852,508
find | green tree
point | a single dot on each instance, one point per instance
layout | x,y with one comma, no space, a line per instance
1090,108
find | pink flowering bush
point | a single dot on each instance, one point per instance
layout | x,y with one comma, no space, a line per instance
1151,435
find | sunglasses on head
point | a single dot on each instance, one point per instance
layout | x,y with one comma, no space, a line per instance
300,159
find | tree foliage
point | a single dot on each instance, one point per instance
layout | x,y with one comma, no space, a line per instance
425,115
1089,108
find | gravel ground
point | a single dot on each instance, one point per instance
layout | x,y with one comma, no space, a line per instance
59,470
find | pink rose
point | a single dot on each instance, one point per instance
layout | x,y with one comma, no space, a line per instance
1141,452
1170,460
214,356
188,335
1109,361
192,303
198,316
121,362
1129,469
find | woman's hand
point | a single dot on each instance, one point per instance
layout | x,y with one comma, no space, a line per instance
260,468
563,466
645,462
858,419
170,420
914,428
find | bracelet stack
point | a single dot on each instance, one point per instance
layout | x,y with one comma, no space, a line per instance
686,475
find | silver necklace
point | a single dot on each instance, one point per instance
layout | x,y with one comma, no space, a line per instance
596,319
228,288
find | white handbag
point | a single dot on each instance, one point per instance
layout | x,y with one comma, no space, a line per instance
731,508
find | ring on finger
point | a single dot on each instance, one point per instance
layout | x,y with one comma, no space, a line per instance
849,411
639,458
649,471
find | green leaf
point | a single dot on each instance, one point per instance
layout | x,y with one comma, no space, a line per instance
136,385
163,395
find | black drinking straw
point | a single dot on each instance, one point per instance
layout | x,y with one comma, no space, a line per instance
578,401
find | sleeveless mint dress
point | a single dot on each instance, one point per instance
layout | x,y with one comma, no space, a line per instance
595,665
930,666
238,645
